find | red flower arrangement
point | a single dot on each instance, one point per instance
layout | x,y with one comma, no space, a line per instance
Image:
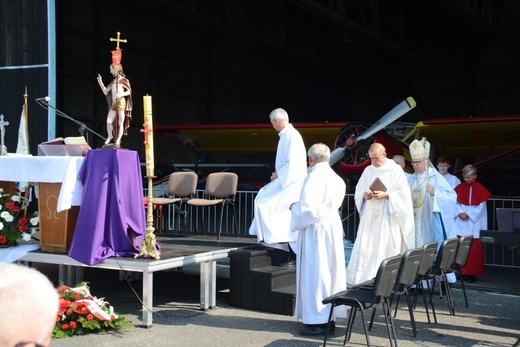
81,313
15,226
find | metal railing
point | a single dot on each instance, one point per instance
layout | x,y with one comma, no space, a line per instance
495,255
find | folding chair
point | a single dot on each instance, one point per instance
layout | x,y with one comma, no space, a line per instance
363,299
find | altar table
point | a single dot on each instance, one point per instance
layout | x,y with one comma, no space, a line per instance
62,170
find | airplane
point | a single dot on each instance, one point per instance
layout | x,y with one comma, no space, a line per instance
486,142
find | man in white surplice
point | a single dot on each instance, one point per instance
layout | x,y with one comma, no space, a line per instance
272,217
320,266
386,217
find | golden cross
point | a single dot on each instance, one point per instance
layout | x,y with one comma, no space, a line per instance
118,40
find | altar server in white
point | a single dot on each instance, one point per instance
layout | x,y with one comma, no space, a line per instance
320,266
272,214
433,198
386,217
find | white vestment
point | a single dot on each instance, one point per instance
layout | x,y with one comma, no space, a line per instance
452,180
386,226
272,217
477,220
320,267
427,206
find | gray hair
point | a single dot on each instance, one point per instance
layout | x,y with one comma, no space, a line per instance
319,152
29,304
279,114
469,170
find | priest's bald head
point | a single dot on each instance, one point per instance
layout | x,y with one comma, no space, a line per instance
377,154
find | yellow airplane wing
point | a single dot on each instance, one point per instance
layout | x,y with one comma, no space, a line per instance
244,138
482,136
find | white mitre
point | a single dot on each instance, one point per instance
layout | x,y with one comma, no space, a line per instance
420,149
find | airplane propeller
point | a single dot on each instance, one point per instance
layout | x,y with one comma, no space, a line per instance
353,141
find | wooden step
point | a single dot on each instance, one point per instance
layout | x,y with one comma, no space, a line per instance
268,279
285,300
256,284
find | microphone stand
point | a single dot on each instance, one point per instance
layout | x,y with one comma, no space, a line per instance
82,126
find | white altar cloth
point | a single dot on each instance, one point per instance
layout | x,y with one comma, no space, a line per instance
12,254
47,169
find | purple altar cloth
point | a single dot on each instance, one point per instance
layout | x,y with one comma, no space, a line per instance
111,205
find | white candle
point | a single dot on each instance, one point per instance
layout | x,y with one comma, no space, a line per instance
148,130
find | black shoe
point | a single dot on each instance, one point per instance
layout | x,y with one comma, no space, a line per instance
317,329
290,263
470,279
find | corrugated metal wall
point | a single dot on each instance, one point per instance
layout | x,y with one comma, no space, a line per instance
23,59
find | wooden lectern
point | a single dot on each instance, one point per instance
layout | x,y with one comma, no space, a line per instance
56,229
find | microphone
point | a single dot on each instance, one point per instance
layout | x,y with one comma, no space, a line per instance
44,98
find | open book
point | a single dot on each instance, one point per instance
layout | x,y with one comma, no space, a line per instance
77,140
75,146
377,185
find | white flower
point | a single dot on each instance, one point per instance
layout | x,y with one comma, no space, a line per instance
33,231
1,225
35,220
26,237
7,216
15,198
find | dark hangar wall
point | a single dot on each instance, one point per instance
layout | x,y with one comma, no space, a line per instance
196,74
200,70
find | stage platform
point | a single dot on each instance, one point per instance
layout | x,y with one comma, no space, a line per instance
175,253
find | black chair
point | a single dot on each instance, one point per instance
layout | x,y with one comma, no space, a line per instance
462,257
443,264
362,299
406,278
429,252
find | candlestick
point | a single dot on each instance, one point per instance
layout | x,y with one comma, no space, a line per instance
148,130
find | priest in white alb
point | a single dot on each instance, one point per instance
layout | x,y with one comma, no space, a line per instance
320,266
386,217
272,215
